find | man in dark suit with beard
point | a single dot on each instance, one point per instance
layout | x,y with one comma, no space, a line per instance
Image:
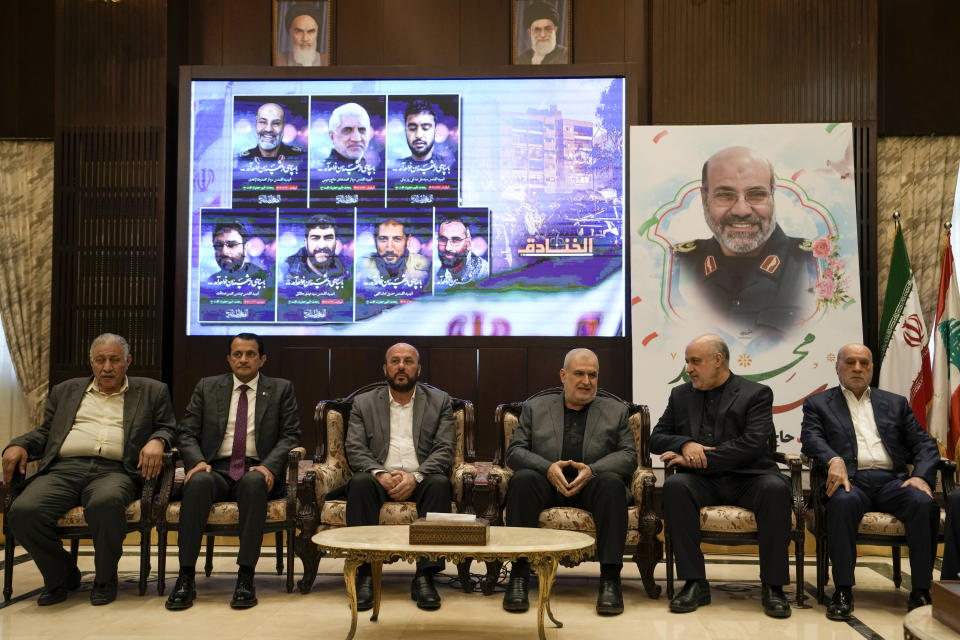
235,436
716,429
867,437
399,444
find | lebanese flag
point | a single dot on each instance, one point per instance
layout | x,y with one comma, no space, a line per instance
904,357
943,422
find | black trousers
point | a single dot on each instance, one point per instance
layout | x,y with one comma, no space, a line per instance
365,497
101,487
879,490
951,542
249,492
766,494
605,497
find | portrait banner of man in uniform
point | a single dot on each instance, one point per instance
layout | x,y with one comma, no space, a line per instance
348,135
237,264
269,151
423,163
315,265
749,232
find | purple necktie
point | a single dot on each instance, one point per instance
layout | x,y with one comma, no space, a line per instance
239,455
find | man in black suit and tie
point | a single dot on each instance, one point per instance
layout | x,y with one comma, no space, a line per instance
716,429
399,444
99,437
234,438
573,450
867,437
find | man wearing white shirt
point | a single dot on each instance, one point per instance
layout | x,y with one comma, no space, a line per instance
399,444
238,456
867,437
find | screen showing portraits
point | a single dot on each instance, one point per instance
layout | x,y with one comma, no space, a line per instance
406,207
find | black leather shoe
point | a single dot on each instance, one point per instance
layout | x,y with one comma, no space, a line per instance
60,592
841,604
104,593
609,598
918,598
515,597
364,592
183,593
775,603
693,594
244,594
423,591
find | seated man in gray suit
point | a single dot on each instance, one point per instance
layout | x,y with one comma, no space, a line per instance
574,451
99,437
399,444
716,429
234,438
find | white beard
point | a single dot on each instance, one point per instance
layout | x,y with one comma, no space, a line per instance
303,57
541,49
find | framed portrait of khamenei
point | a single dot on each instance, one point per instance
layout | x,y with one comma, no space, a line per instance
541,32
302,33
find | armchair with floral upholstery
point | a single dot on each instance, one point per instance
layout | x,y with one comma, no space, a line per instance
331,471
643,523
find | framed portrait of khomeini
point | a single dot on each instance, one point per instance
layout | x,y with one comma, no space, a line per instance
542,32
302,34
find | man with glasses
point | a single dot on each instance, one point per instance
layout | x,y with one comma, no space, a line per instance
230,252
754,277
541,20
458,263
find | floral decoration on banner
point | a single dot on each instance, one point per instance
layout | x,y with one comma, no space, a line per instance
831,289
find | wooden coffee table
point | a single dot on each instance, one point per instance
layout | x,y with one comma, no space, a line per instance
543,547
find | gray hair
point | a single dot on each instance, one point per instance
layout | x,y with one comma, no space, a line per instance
348,109
717,345
110,338
573,353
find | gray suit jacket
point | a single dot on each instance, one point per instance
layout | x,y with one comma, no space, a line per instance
204,424
368,432
608,444
147,414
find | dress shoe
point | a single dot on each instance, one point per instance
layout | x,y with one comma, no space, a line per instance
515,597
183,593
60,592
693,594
364,592
918,598
244,594
609,598
104,592
423,591
775,603
841,604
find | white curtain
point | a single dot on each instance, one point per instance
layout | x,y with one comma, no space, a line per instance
14,415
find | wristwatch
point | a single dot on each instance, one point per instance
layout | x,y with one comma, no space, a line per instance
418,476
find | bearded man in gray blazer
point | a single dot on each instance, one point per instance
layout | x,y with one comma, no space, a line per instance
235,436
100,435
573,450
399,444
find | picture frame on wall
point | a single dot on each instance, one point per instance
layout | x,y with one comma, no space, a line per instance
302,33
542,31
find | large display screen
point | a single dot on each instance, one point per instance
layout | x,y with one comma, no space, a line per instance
406,207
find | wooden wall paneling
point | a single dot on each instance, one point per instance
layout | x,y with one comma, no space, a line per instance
246,31
485,32
865,181
421,32
353,367
28,69
453,369
204,358
502,377
109,182
599,31
309,370
361,32
636,25
205,26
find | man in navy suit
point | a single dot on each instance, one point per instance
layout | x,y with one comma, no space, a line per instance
399,444
867,437
716,429
234,438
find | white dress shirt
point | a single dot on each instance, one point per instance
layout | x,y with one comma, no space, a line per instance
871,454
402,453
98,426
226,447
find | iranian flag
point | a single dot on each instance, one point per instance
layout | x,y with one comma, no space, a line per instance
904,358
943,422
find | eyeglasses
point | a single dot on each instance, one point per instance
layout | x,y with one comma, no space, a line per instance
232,244
544,30
752,197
